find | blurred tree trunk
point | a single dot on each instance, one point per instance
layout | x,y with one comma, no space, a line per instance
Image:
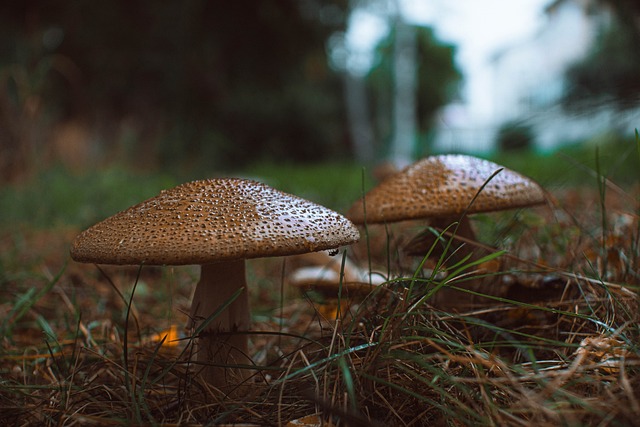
404,97
360,125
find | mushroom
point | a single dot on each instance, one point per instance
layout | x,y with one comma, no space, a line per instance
329,281
217,224
333,289
442,188
322,268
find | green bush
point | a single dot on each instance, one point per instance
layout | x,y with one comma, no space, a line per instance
514,136
58,197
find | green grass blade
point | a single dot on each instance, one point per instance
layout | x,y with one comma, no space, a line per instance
326,360
365,226
347,378
26,301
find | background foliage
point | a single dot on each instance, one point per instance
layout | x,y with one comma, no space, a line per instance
610,72
199,85
187,81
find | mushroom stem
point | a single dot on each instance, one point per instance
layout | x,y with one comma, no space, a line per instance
422,243
219,345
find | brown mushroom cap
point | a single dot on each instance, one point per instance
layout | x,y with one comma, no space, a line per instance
213,220
443,186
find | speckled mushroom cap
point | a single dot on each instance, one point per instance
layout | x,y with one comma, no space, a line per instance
442,186
214,220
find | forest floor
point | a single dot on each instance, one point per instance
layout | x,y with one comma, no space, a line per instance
555,343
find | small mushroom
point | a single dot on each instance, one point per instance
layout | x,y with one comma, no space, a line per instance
328,281
335,290
217,224
322,268
442,188
334,279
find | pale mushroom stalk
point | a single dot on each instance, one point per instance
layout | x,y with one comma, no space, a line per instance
460,248
219,345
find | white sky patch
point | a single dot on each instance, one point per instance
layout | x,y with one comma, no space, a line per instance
365,30
479,28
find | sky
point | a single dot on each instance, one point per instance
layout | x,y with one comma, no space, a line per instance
479,28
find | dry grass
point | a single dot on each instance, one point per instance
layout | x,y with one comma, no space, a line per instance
557,345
